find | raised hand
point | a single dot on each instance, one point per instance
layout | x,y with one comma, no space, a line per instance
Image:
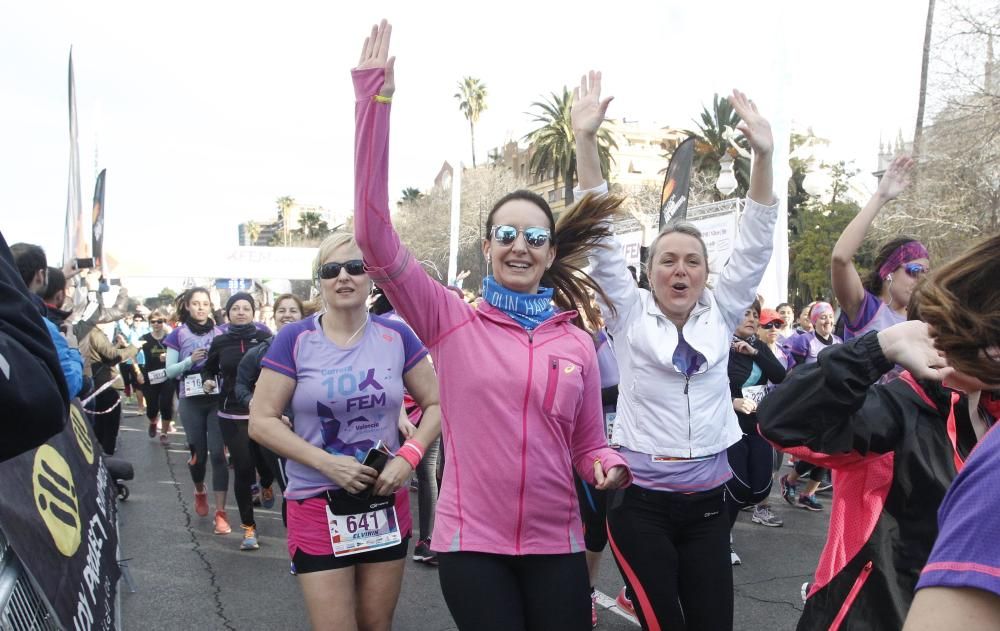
910,345
754,126
588,111
896,178
375,54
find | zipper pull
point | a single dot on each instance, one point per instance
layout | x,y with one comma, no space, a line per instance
687,381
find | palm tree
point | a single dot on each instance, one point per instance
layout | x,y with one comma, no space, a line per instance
284,205
471,97
312,225
496,157
253,232
410,194
554,143
715,138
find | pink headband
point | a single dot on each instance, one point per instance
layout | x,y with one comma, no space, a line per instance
909,251
818,310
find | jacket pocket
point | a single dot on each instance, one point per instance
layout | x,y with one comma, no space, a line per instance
563,388
845,608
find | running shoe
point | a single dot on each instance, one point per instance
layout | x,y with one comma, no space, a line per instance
593,609
249,538
733,557
422,553
624,603
164,440
762,515
201,503
788,490
809,502
152,429
804,591
255,492
267,497
222,526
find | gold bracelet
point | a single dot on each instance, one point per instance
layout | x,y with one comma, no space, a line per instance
382,99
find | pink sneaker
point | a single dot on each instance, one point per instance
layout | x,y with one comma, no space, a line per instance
624,603
222,526
201,502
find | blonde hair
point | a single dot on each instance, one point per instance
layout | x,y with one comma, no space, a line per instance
681,227
331,243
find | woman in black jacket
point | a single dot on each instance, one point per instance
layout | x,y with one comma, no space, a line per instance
219,373
894,450
751,366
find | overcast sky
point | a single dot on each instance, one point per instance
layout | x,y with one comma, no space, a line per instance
205,112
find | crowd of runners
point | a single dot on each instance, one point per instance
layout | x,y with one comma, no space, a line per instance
566,410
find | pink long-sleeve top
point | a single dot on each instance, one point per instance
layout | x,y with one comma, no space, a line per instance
520,409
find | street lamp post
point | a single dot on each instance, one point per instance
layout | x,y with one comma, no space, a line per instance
727,178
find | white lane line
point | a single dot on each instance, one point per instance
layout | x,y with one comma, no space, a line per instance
608,603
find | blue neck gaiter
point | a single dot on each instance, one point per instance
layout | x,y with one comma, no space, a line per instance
528,310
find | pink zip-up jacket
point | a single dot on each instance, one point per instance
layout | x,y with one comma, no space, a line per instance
520,410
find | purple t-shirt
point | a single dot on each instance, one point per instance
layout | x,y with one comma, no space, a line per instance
966,553
346,399
874,315
185,342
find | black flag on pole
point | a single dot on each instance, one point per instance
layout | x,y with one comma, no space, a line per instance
98,222
674,198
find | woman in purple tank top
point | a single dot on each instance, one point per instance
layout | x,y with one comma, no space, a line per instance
880,300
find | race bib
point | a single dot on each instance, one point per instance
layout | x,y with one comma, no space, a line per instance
363,532
192,386
755,393
609,424
157,376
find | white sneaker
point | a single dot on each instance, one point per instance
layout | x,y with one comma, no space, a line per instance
733,557
762,515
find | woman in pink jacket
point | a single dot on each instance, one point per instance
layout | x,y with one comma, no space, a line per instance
520,393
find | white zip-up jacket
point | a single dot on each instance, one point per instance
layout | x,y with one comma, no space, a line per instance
662,412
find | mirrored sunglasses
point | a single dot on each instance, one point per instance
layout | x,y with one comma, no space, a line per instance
916,269
534,237
355,267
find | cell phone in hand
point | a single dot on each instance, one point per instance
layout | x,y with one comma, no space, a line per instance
376,459
86,263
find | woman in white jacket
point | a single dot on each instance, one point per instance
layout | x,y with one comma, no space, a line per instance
670,530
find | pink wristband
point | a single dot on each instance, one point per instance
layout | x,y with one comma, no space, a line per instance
412,452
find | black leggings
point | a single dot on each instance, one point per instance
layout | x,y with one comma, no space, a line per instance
237,438
159,400
751,460
106,425
815,473
494,592
673,550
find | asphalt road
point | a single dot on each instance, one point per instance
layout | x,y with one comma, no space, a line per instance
186,577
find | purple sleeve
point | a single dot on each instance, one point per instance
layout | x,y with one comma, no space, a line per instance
280,356
797,347
172,340
965,553
413,348
869,307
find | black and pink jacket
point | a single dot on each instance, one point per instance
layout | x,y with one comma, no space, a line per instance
894,450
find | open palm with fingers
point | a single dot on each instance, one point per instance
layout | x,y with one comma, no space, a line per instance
588,111
375,54
754,126
896,178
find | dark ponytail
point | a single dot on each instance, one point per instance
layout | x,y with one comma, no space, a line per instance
579,229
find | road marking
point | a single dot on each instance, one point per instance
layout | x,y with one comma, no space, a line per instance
609,604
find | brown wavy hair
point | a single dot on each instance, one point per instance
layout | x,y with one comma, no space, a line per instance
578,230
961,303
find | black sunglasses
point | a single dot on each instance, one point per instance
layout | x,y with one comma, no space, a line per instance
156,321
771,325
355,267
534,237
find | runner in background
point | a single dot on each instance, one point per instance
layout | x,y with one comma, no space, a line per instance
157,388
218,374
287,309
343,373
786,314
187,348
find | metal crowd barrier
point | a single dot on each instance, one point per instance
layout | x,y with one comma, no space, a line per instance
21,606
